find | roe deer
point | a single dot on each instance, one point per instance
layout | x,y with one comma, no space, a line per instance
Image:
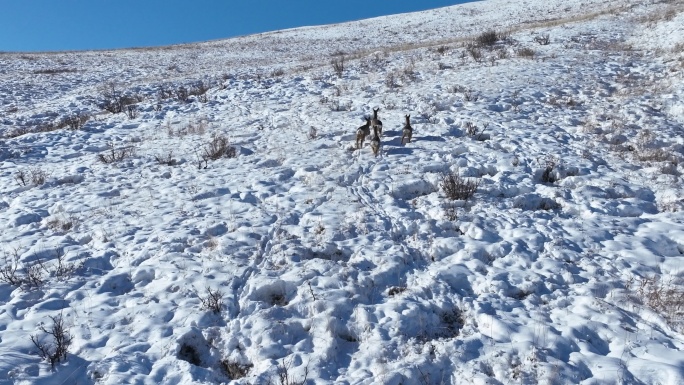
377,123
375,142
362,132
407,131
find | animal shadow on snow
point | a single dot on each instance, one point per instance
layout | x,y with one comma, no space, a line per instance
432,138
388,133
399,151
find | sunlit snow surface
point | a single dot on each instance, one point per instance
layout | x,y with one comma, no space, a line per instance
338,265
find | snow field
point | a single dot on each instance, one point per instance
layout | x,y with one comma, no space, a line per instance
353,268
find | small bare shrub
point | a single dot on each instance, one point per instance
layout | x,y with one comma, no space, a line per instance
429,117
284,376
515,104
190,128
336,105
189,353
199,90
132,111
34,274
164,92
473,131
487,39
666,297
10,271
452,323
63,269
218,148
653,155
457,89
54,71
22,178
442,49
278,299
16,132
391,80
166,159
678,48
113,100
30,276
457,188
649,149
378,61
549,163
213,300
114,154
313,133
182,94
670,204
55,351
62,224
114,106
75,122
471,128
337,64
542,39
470,95
527,53
475,53
670,167
234,369
394,290
450,213
37,176
409,73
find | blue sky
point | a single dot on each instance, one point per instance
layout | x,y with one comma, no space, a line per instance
55,25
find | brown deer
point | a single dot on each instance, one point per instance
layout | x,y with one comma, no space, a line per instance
375,142
376,123
362,132
407,131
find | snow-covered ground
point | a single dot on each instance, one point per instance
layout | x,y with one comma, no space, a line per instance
335,266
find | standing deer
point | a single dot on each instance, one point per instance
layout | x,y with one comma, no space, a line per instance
362,132
407,131
377,123
375,142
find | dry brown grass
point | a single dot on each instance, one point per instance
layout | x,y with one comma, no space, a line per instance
62,224
527,53
54,71
664,296
661,14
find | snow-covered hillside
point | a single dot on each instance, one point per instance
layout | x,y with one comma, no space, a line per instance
293,257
